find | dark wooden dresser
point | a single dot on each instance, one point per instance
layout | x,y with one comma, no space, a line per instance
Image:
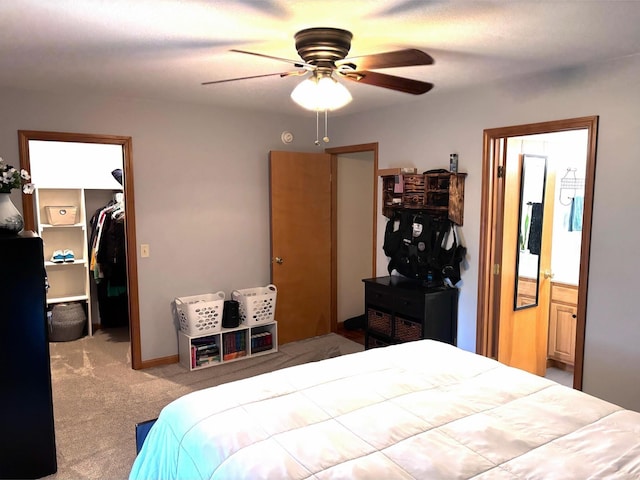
27,438
400,310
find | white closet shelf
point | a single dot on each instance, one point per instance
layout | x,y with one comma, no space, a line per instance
58,264
48,225
70,298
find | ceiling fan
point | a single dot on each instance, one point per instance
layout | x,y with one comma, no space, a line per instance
324,51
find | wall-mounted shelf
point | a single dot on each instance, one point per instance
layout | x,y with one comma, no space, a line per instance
436,194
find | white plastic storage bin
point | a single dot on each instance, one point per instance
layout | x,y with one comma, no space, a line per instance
200,314
257,305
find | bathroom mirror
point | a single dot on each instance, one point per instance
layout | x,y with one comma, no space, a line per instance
532,186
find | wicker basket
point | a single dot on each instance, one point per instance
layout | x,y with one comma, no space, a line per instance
257,305
407,330
200,314
373,342
380,322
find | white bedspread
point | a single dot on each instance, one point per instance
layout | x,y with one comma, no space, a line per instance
422,410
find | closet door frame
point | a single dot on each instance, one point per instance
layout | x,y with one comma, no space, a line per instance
24,136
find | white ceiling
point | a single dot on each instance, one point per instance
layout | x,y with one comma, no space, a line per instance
166,48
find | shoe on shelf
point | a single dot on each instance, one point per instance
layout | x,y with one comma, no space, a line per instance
68,256
58,257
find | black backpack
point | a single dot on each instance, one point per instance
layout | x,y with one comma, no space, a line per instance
410,242
446,261
414,244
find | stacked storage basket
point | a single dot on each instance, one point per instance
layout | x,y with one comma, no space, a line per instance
257,305
200,314
205,339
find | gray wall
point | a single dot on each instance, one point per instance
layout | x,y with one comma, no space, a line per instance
425,132
202,190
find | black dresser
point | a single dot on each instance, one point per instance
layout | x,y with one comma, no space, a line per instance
400,310
27,443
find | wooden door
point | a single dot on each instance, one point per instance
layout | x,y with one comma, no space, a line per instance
523,333
301,240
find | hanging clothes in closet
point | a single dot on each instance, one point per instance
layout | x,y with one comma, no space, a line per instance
109,263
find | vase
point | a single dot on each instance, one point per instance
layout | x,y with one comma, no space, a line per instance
11,222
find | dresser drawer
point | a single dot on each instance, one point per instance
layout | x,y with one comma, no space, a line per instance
564,293
409,306
379,296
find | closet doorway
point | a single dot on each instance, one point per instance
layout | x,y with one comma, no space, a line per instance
32,141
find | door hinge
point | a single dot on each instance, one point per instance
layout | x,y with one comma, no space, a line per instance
500,171
496,269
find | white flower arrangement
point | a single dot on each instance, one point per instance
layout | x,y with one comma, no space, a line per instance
11,178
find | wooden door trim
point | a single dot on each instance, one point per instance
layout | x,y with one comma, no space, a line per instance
492,195
130,225
334,243
335,151
490,231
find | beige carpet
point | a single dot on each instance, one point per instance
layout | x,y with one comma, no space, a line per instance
98,398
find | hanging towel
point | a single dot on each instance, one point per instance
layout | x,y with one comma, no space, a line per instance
575,216
535,229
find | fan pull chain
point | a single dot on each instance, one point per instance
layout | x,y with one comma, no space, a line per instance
325,139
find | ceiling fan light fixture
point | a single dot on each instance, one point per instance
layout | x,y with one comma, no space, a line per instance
321,93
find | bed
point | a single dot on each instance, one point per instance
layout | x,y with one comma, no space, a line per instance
421,409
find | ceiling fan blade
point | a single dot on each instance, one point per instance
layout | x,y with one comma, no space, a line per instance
281,74
401,84
399,58
271,8
297,63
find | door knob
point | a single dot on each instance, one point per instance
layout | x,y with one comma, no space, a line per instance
278,260
548,274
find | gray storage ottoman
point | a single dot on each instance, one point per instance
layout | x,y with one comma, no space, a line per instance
67,322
